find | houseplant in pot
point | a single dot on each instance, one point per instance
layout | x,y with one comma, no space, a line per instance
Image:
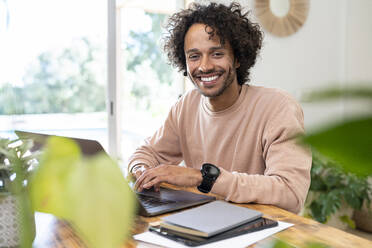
335,194
17,226
348,145
90,193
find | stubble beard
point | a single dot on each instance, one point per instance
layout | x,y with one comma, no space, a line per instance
226,84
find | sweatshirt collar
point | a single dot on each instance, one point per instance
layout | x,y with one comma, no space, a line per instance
232,108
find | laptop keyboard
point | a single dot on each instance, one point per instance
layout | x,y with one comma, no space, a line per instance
148,201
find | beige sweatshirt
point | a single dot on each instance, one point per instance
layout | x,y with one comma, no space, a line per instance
252,142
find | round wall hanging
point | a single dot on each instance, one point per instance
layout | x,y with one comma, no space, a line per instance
282,17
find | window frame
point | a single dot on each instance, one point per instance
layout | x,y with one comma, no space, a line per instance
114,75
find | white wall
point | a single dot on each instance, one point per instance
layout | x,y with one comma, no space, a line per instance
358,55
334,46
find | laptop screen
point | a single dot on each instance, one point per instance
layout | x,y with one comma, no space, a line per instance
88,147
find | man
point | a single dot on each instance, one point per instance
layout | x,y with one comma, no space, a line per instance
246,134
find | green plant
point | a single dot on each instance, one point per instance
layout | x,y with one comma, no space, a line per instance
331,187
343,157
282,244
58,81
91,193
14,154
349,142
16,163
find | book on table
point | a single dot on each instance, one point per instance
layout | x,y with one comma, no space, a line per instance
192,240
209,219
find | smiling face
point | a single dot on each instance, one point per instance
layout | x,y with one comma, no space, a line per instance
211,66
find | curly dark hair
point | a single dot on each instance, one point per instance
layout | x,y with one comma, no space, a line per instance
227,22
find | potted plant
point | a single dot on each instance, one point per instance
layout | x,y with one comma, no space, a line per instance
15,213
335,194
349,143
363,218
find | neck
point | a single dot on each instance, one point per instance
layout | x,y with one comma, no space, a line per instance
226,100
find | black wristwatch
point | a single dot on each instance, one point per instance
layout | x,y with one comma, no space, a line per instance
209,173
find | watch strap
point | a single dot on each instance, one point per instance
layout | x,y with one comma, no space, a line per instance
206,185
208,180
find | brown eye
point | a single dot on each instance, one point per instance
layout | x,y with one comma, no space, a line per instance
193,57
218,54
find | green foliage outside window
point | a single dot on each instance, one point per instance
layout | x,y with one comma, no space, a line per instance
67,82
145,46
73,80
147,74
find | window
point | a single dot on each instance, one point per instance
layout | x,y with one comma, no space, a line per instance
149,85
57,74
53,67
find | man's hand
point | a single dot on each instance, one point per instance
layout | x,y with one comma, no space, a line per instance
138,169
173,174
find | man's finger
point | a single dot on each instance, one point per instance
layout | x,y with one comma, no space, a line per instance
146,177
141,178
157,180
138,174
157,187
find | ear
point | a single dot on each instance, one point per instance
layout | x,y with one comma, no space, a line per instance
237,64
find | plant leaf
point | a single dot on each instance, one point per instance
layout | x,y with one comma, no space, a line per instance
48,183
347,220
349,144
104,203
281,244
362,91
91,193
316,245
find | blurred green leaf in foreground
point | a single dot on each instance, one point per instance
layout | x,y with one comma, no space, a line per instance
91,193
360,91
283,244
348,143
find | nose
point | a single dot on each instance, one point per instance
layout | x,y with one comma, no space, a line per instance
205,65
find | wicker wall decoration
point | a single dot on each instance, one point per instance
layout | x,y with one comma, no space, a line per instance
282,17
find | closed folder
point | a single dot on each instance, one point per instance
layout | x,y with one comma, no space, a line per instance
210,219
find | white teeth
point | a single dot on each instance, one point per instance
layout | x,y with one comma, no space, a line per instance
208,79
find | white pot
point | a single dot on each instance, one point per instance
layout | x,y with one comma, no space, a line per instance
9,221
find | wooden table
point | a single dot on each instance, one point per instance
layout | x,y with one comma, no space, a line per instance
60,234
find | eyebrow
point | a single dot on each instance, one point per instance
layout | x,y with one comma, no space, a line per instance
212,48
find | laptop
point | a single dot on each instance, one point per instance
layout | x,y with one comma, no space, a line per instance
150,202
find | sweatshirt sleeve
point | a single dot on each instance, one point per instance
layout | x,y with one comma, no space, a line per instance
162,148
286,179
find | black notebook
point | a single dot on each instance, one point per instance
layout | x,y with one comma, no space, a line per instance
191,240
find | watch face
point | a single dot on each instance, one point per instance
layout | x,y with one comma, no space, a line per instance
211,170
